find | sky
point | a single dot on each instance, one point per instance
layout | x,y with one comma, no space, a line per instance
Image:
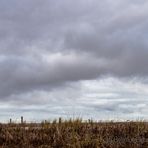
73,58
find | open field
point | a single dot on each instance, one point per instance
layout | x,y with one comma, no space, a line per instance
74,134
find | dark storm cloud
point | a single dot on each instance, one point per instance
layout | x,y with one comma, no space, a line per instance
20,74
47,43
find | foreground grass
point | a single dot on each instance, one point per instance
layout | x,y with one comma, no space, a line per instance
75,134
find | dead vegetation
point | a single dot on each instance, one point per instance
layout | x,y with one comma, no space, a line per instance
74,134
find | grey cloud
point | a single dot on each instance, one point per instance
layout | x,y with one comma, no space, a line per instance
27,73
46,45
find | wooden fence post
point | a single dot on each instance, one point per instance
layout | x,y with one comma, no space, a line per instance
22,120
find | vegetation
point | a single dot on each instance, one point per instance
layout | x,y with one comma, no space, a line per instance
74,134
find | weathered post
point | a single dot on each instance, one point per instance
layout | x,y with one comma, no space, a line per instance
60,120
22,120
10,120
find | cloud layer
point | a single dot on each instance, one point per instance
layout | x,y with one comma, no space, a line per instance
51,45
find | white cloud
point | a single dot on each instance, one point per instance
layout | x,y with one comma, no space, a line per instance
101,99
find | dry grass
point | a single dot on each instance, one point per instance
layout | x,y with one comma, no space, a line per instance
75,134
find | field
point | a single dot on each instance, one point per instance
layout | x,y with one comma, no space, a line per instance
74,134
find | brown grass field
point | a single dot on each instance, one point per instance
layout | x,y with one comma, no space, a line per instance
75,134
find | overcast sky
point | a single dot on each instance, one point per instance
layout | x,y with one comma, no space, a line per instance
73,58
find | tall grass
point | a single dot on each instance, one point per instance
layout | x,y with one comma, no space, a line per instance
74,134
